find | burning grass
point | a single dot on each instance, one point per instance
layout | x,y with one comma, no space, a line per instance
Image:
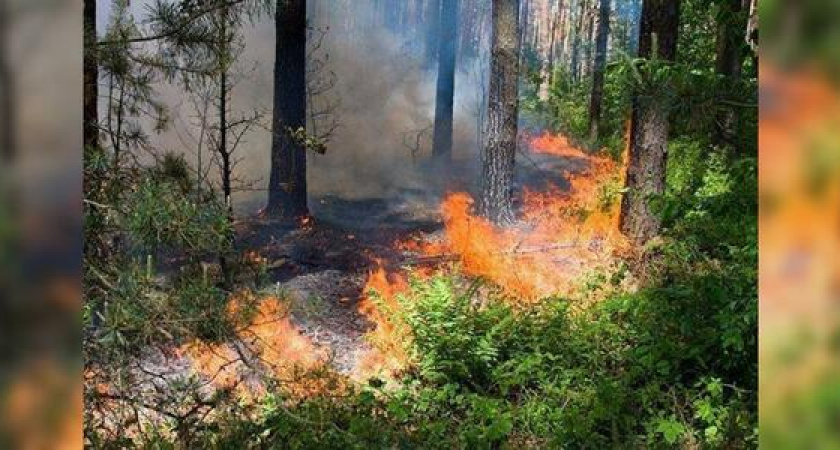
269,348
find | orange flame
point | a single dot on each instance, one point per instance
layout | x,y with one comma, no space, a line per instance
271,345
388,354
563,234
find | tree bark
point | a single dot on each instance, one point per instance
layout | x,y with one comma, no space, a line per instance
287,195
729,60
444,101
90,100
503,108
599,66
649,126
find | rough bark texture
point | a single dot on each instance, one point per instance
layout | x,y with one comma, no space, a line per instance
649,126
503,108
287,183
596,98
90,106
444,101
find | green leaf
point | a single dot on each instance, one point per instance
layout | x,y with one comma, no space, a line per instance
671,430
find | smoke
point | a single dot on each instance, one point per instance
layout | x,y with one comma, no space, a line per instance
383,101
387,100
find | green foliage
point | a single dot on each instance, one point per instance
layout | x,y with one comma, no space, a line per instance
162,217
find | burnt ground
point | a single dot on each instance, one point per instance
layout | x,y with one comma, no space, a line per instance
321,268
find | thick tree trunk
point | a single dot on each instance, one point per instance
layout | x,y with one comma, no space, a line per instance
596,99
729,60
503,108
649,126
444,101
90,99
287,183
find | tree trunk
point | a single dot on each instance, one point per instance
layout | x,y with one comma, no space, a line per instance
287,183
90,101
649,126
598,68
576,42
729,60
503,108
548,66
444,101
433,32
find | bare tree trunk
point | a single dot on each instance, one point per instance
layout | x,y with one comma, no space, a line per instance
226,169
444,101
649,126
590,38
433,32
576,28
287,183
548,66
503,108
729,60
90,101
596,99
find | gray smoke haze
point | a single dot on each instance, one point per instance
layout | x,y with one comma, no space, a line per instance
385,92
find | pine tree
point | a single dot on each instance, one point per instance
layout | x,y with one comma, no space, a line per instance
650,124
503,107
598,68
444,101
287,193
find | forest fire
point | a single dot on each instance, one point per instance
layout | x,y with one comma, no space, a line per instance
563,232
270,345
387,338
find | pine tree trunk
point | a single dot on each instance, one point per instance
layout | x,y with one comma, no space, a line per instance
90,101
576,42
729,60
287,183
433,32
596,99
444,101
590,38
649,126
548,65
503,108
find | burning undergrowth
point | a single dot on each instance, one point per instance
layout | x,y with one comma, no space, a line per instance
565,233
268,349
